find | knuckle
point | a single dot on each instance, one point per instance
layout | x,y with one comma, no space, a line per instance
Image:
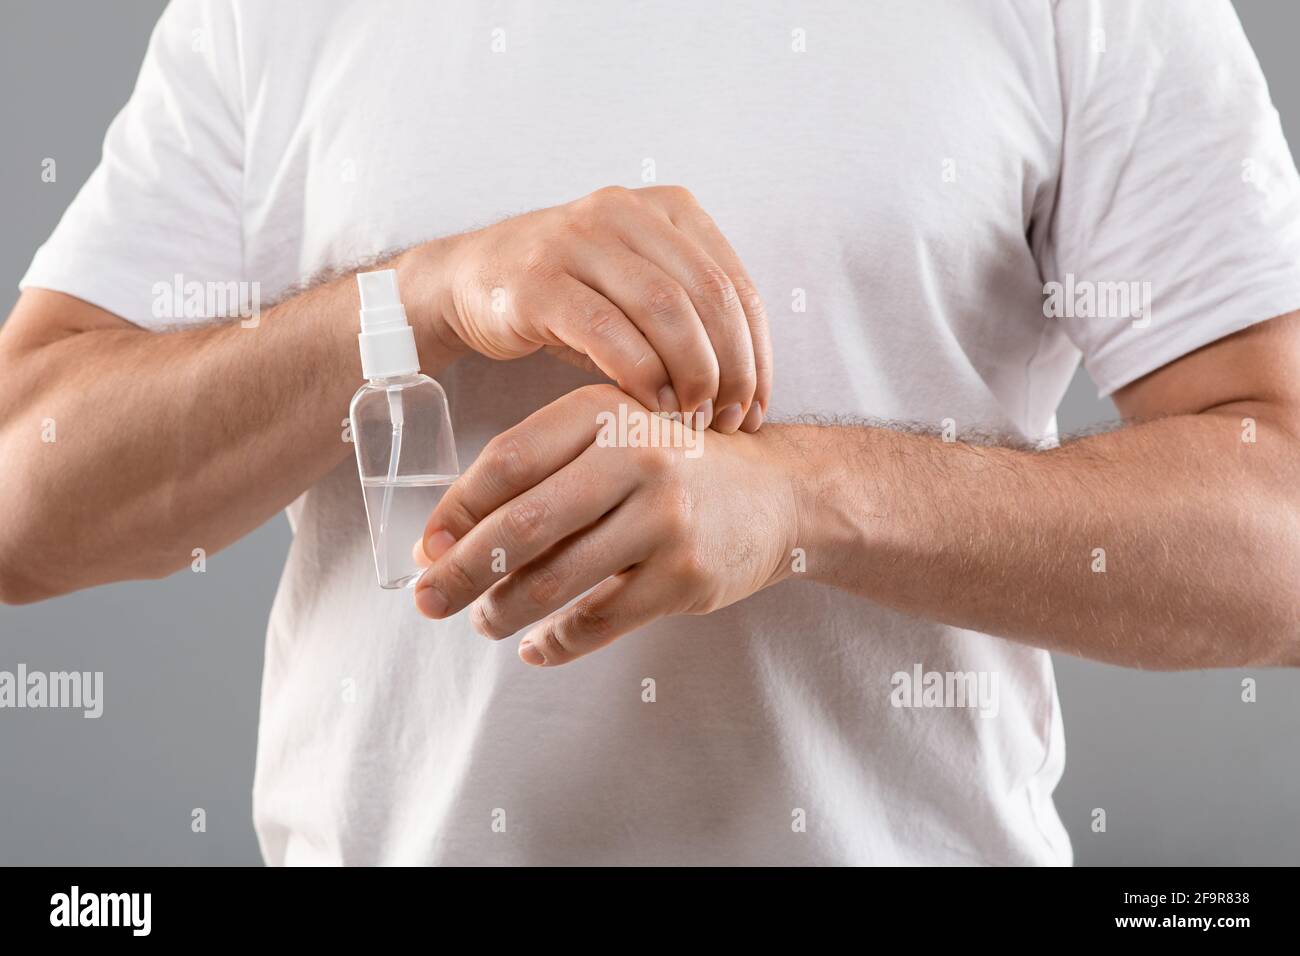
526,520
552,646
509,459
689,569
605,323
714,286
665,299
741,380
539,263
605,199
740,388
487,619
653,462
696,215
577,219
457,517
456,576
680,194
699,383
750,300
591,621
542,586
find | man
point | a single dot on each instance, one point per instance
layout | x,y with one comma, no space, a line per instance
818,640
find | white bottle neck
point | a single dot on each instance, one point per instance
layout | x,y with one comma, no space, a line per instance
394,381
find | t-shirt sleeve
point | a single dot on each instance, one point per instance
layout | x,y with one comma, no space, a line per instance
1177,214
165,200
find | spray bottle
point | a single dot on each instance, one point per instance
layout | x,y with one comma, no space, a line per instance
401,428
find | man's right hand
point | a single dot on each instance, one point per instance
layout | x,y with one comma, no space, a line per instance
638,283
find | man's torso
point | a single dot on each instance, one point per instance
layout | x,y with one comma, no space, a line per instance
884,171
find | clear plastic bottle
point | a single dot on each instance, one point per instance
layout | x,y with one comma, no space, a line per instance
401,428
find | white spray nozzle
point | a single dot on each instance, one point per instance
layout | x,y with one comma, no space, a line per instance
387,342
378,288
381,306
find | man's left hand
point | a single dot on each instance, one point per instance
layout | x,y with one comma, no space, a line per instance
569,501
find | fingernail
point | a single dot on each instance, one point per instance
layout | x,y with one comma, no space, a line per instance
729,419
668,400
529,654
431,602
754,420
437,544
703,416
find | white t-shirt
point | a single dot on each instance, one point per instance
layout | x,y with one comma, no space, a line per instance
902,180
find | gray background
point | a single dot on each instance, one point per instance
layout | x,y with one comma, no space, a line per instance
1187,773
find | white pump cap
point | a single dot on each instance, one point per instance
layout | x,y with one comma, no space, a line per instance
387,340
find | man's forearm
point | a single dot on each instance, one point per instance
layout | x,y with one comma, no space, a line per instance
163,443
191,439
1170,544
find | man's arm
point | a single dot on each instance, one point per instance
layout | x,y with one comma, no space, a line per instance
1198,525
170,442
163,443
1173,542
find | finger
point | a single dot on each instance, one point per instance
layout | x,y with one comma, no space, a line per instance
522,529
617,606
700,226
518,459
555,578
576,359
590,324
664,313
514,461
717,304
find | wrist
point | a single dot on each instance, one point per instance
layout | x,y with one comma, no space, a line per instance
804,459
426,271
838,489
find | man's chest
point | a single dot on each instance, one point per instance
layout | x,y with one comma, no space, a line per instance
875,165
850,129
